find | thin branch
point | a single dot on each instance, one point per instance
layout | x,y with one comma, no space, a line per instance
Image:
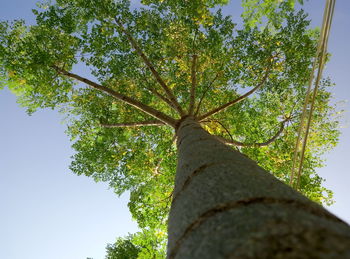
134,124
160,96
194,83
148,63
156,169
237,100
222,125
138,105
266,143
204,93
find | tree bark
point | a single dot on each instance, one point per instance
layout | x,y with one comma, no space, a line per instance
226,206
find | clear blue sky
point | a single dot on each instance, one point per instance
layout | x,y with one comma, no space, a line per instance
47,212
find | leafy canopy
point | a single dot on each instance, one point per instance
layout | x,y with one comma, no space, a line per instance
124,76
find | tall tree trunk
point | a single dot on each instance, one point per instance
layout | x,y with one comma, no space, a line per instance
226,206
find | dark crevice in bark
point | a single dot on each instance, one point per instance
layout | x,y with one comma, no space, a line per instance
194,173
285,240
189,178
180,141
320,212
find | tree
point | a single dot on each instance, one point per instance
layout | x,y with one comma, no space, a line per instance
123,248
166,73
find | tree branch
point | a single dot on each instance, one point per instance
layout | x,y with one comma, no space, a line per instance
138,105
222,125
148,63
204,93
160,96
134,124
194,83
242,97
266,143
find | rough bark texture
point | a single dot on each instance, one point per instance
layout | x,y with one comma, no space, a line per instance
226,206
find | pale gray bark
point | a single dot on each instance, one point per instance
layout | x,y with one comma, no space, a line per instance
226,206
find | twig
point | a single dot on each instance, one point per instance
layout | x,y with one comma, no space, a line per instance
193,85
265,143
204,93
242,97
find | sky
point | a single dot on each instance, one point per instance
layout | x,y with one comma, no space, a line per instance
48,212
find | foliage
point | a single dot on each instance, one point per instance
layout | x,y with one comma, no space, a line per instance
142,245
197,10
122,249
273,11
189,48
